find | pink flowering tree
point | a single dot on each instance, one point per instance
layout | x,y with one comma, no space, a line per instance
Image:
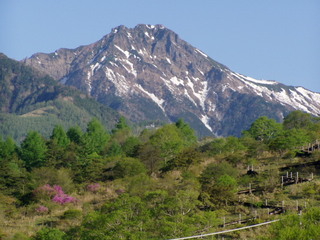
55,193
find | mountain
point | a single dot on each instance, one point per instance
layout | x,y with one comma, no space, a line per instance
148,73
30,100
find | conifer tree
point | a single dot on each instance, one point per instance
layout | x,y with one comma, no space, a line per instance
60,136
96,137
33,150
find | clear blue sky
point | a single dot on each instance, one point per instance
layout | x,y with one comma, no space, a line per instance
275,39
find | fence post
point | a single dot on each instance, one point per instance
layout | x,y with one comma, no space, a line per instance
297,178
239,218
300,213
224,222
282,181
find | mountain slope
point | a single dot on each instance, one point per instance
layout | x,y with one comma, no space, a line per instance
149,73
30,100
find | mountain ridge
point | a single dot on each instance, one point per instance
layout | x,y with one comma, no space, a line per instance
149,73
32,101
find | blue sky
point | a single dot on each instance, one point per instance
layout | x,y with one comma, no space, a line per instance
275,39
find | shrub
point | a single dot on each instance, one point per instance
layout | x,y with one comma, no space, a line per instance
128,167
20,236
49,234
72,214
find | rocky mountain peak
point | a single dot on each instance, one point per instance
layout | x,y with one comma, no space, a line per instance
148,73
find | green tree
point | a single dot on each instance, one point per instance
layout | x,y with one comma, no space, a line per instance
33,150
215,147
150,155
124,218
218,180
297,120
290,139
75,134
121,125
7,148
187,133
169,142
233,144
264,129
60,136
114,149
49,234
130,146
293,226
254,148
13,177
96,137
90,168
215,170
186,158
127,167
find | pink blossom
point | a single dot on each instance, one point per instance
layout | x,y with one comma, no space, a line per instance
56,192
45,189
42,209
58,189
63,198
93,187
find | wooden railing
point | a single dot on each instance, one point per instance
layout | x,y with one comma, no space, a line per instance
311,147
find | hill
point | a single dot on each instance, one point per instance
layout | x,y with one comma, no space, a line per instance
162,184
30,100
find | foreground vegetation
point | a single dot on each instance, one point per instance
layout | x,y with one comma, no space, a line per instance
161,184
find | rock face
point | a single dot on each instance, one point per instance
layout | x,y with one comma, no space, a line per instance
148,73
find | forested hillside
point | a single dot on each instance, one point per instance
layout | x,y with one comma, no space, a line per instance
30,100
162,183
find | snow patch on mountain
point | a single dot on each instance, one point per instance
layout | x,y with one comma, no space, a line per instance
176,81
202,53
309,95
131,70
154,98
298,98
119,81
250,79
126,53
189,97
205,120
